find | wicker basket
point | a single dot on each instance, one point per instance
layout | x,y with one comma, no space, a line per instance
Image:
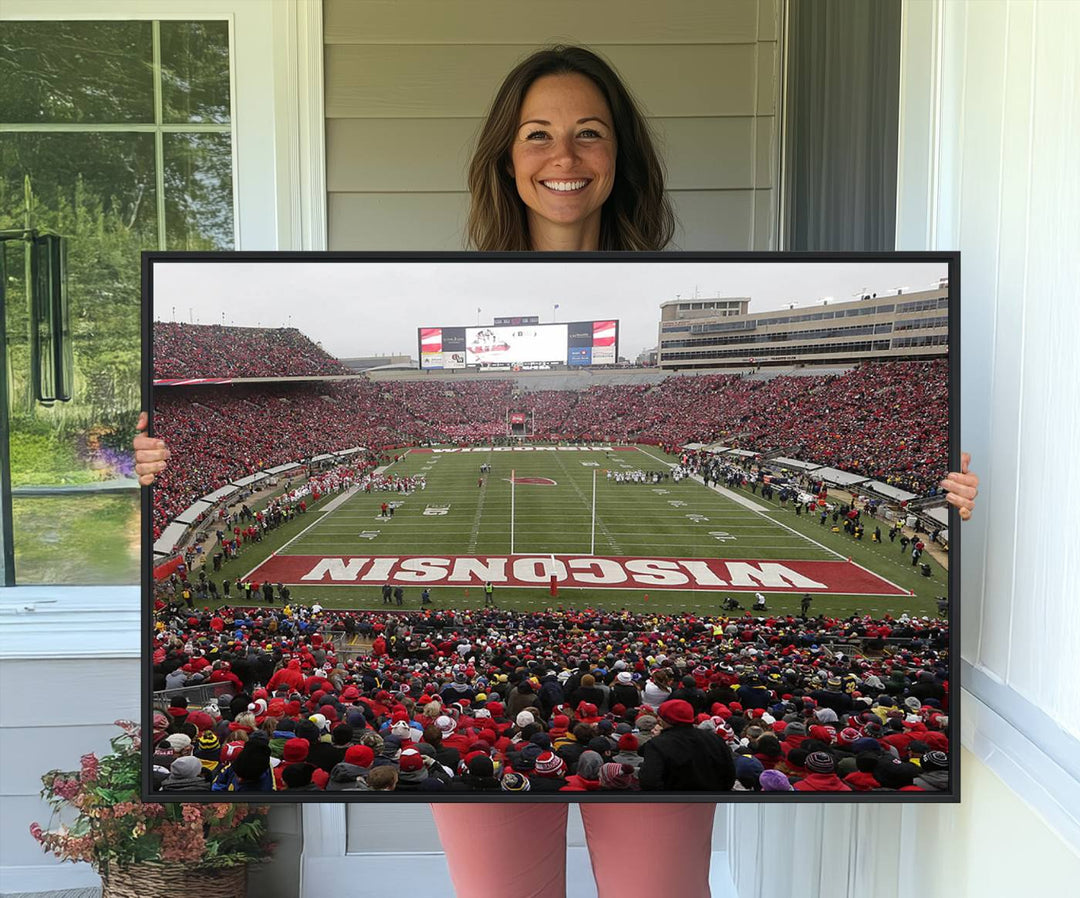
150,880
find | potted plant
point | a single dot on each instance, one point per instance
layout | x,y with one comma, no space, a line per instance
148,849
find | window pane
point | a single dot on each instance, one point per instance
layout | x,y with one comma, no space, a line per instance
76,72
98,191
77,539
195,72
198,192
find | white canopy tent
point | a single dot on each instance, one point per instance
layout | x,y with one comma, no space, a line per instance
897,495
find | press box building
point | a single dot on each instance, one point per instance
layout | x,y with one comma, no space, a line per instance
722,332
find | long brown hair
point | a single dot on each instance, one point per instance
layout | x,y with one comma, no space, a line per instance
636,216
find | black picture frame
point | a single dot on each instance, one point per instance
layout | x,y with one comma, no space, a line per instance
949,259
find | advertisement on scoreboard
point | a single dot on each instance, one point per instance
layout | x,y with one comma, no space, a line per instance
442,347
592,343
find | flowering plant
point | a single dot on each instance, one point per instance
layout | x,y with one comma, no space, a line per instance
112,826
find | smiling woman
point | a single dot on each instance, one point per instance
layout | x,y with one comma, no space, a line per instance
565,160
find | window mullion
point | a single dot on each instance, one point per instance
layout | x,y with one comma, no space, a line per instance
159,137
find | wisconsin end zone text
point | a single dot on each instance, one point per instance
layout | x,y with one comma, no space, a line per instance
584,572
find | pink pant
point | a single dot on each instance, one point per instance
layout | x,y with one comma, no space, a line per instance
520,849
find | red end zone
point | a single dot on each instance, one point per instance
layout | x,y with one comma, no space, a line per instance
577,572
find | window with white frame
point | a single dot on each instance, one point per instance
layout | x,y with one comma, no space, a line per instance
117,135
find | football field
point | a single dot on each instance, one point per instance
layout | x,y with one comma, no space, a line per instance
666,546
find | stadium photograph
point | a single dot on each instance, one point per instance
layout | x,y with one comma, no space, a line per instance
444,527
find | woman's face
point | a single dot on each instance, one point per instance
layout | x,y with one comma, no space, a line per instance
563,160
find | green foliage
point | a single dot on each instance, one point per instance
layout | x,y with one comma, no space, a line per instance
41,458
103,290
76,71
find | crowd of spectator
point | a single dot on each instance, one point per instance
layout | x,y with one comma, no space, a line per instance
549,700
215,350
882,420
218,435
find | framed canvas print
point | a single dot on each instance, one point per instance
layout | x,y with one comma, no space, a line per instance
589,527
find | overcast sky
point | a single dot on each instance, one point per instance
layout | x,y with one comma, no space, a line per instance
374,308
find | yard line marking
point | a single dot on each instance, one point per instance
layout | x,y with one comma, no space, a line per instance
604,532
479,508
751,506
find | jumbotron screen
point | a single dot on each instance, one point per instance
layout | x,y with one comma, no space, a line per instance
489,346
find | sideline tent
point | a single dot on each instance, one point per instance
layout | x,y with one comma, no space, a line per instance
221,494
794,464
838,477
170,536
891,492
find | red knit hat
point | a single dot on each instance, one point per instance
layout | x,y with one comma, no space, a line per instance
360,755
628,742
201,720
550,764
676,710
848,735
295,750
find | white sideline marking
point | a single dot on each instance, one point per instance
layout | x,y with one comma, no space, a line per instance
754,507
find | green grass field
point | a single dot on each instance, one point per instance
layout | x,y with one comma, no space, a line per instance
84,539
684,520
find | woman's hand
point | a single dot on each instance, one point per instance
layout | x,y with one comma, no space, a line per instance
962,487
151,454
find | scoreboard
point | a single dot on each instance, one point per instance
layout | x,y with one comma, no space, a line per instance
577,343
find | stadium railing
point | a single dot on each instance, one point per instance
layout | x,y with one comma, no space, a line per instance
196,695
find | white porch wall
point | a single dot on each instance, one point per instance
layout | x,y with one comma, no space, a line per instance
990,133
